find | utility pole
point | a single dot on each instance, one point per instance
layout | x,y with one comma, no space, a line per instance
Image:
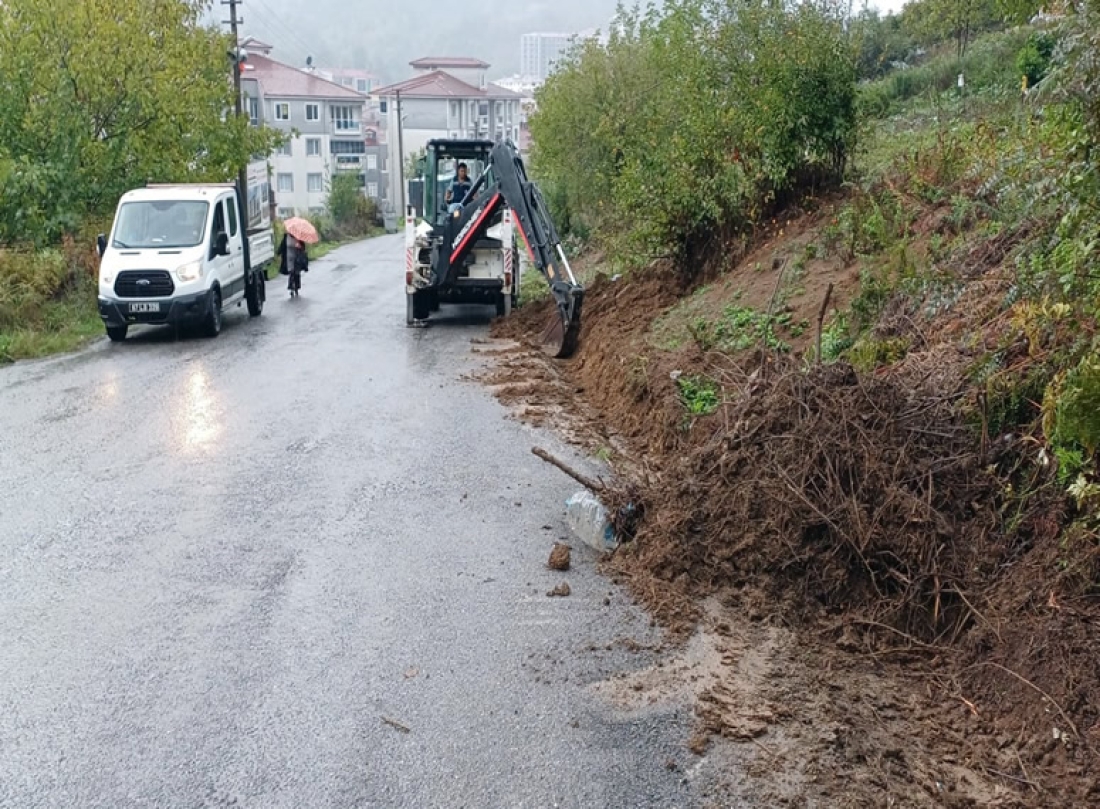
401,154
242,174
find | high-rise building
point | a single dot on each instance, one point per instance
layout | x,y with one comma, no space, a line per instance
540,52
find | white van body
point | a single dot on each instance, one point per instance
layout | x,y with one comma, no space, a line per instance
176,254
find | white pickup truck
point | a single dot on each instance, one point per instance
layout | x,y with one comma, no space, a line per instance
181,254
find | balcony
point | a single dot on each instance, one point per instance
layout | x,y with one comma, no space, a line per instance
348,162
344,127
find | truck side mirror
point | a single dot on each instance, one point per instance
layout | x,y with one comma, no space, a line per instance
101,244
221,244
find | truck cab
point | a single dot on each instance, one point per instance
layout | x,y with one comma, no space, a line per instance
178,254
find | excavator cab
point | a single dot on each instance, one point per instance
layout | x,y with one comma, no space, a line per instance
441,159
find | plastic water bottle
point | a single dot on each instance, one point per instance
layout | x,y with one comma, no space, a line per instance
588,519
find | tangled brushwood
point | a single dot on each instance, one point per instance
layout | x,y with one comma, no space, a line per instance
833,489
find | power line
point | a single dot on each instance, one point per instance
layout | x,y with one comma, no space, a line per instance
285,30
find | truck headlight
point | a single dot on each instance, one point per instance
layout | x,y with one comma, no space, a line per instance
190,272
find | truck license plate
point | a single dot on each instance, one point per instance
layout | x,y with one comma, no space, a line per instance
144,307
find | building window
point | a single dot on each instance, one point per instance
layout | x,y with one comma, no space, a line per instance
313,112
282,111
286,213
316,210
343,118
372,162
348,147
361,85
372,189
382,106
284,150
315,183
286,183
346,81
254,111
313,147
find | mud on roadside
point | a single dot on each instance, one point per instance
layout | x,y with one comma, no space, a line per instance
816,683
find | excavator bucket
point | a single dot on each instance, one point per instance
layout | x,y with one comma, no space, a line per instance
553,336
562,333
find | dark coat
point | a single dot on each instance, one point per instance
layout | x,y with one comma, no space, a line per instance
281,251
301,259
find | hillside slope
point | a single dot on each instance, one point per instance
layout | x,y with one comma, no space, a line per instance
839,442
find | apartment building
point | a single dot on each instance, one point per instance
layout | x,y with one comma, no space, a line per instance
435,103
331,132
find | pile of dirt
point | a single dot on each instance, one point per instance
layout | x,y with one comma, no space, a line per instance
837,491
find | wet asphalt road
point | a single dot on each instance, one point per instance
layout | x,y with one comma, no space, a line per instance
223,562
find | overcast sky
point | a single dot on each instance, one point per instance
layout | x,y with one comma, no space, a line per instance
386,36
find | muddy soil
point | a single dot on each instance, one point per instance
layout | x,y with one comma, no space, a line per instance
856,625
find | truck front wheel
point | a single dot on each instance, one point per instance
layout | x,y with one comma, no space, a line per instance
117,333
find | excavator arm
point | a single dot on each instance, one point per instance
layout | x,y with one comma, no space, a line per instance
505,184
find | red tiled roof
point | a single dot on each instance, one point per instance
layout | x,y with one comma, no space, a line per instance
429,62
439,84
283,81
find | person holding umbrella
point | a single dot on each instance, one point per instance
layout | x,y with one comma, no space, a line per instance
293,258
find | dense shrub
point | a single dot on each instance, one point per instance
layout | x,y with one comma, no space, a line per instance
990,63
695,118
349,213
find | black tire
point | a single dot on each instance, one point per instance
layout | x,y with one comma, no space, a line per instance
256,294
212,327
504,304
421,306
117,333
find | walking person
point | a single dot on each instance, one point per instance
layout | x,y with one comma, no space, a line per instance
293,261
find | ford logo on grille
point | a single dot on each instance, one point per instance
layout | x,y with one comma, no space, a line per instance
143,282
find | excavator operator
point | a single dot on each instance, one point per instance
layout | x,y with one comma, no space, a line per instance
460,187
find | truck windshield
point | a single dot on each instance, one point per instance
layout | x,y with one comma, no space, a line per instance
160,224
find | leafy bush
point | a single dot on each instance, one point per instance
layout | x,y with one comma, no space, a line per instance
1034,58
740,328
347,204
699,395
988,64
693,119
1072,407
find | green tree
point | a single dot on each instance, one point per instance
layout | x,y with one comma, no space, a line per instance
352,213
698,117
102,95
936,21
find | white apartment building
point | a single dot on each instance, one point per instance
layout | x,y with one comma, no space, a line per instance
328,121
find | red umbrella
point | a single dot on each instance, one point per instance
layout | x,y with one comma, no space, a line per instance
301,230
